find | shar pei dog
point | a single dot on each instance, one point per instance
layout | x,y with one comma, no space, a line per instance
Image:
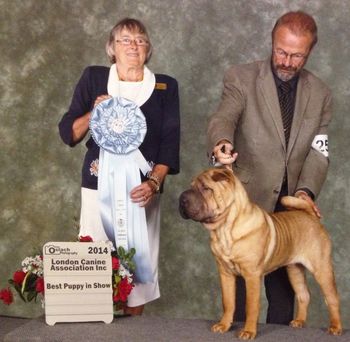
248,241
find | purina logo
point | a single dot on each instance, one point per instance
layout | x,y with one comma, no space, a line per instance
53,250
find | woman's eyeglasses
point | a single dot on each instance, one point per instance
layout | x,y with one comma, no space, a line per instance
129,41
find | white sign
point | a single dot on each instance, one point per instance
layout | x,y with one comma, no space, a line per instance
78,282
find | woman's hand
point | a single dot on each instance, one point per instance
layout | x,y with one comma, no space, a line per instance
81,124
101,98
142,193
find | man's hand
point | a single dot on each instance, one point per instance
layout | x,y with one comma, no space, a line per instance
223,153
303,195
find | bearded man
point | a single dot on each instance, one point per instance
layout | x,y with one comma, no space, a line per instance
272,125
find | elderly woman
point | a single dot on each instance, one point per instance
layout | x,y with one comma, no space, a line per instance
156,95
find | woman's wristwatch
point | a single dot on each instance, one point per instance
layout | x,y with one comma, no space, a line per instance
154,182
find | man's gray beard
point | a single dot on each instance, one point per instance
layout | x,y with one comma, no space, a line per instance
284,77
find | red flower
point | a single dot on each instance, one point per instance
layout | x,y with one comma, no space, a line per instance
6,296
124,289
18,277
39,285
86,238
115,263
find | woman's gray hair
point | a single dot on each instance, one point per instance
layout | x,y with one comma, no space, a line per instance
132,25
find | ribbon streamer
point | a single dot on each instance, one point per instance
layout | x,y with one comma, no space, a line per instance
118,126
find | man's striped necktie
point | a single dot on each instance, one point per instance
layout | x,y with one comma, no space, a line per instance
286,105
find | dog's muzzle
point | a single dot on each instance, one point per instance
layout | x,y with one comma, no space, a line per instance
184,204
191,205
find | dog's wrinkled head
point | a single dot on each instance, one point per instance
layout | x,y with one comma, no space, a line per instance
211,193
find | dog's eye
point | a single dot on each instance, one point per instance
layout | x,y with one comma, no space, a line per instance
205,188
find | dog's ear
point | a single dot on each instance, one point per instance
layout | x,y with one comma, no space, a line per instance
222,175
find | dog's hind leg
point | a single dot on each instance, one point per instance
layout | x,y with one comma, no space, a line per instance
296,274
325,278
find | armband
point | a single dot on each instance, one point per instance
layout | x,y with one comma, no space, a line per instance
320,144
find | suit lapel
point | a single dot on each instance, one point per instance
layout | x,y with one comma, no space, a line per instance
302,99
267,86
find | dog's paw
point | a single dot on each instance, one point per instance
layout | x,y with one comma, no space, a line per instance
297,323
335,330
246,335
221,327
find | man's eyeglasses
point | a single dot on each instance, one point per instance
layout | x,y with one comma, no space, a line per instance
295,57
129,41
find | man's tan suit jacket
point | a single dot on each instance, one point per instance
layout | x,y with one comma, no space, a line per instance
249,116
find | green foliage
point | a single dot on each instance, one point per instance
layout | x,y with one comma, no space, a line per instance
26,291
126,258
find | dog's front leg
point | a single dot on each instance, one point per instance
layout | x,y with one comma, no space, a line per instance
253,283
228,291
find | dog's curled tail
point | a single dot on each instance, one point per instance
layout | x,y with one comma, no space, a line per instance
295,203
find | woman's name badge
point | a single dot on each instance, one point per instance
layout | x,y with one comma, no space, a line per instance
161,86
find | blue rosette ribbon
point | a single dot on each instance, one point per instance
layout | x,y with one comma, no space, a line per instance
118,127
